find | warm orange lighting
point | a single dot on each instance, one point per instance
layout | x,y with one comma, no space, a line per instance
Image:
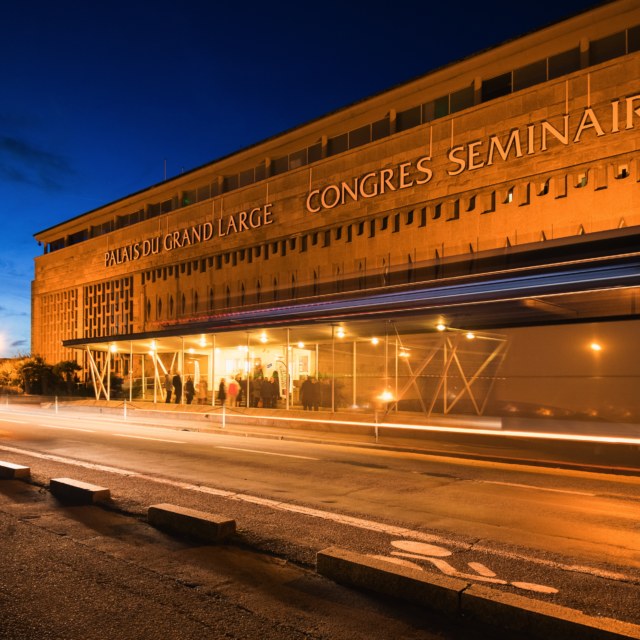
470,335
440,326
374,341
594,346
340,332
300,345
386,396
113,348
263,337
403,354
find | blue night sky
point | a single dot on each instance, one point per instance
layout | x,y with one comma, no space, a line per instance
97,96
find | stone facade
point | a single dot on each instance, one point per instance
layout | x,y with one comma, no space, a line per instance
532,141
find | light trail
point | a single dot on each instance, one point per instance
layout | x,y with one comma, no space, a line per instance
125,435
268,453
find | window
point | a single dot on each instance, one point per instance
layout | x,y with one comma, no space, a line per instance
563,63
314,152
79,236
338,144
359,136
530,75
188,197
622,171
246,177
380,129
496,87
607,48
441,107
260,172
408,119
462,99
230,183
633,39
298,159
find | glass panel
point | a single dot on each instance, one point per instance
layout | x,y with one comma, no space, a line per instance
359,136
564,63
530,75
338,144
496,87
409,118
460,100
607,48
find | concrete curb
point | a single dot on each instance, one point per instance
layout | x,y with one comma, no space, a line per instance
10,471
207,527
77,492
356,570
533,618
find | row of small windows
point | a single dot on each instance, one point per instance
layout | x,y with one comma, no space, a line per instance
449,210
602,50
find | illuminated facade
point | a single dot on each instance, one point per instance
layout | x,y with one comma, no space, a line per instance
496,196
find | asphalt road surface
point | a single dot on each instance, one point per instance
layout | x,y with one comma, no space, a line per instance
564,536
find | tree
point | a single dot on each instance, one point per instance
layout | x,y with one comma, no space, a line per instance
66,371
36,375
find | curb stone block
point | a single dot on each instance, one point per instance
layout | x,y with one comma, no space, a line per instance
77,492
517,614
207,527
394,580
540,619
10,471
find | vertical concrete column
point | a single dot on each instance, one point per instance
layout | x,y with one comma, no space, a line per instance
353,373
333,368
212,370
287,376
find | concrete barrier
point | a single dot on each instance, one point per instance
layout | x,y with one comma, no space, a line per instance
207,527
77,492
540,619
10,471
356,570
500,609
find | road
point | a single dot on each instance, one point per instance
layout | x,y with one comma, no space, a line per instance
565,536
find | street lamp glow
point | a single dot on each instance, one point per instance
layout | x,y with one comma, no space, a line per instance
113,348
386,396
340,332
374,341
301,345
440,326
595,346
263,337
470,335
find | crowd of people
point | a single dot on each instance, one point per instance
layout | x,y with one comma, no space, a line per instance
264,392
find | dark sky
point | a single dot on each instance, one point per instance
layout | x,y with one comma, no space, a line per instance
97,97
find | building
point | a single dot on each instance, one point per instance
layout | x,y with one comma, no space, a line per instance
465,243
